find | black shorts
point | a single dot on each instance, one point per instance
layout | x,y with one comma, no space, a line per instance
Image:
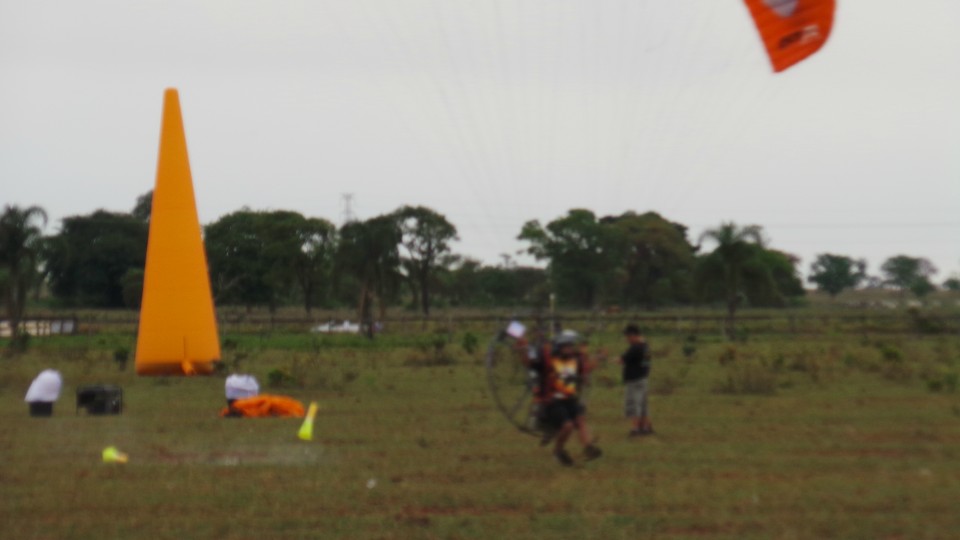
561,411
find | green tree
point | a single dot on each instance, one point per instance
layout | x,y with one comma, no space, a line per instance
234,248
731,264
368,252
285,235
263,257
834,273
314,262
88,259
584,254
658,260
426,237
471,283
922,287
20,247
132,285
144,207
952,284
909,274
784,272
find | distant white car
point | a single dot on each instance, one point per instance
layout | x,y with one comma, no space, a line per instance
337,327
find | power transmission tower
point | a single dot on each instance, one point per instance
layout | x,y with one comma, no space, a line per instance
348,208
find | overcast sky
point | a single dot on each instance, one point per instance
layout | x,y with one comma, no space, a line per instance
497,112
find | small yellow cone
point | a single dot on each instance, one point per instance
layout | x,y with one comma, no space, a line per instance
112,455
306,430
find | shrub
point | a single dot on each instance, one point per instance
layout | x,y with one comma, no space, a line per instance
943,381
470,343
924,323
803,362
120,356
728,356
350,375
890,354
434,351
864,362
236,359
742,335
893,367
690,346
278,377
851,360
748,378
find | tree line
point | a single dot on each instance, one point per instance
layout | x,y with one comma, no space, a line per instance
405,258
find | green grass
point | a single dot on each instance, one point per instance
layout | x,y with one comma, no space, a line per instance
850,442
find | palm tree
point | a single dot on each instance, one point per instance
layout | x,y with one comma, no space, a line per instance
20,240
731,263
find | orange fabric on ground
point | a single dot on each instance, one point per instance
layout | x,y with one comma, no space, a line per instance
265,405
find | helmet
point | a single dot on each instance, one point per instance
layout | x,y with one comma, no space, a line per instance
567,337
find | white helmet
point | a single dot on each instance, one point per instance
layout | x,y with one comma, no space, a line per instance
567,337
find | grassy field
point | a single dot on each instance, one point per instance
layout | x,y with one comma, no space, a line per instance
781,436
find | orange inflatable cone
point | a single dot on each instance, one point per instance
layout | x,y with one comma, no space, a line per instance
178,330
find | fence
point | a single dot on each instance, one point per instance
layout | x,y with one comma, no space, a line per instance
747,324
43,326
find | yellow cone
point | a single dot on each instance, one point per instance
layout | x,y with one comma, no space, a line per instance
112,455
306,430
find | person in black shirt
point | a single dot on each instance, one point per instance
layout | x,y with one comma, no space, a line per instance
636,370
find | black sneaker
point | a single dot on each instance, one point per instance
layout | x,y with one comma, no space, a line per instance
592,452
563,457
634,433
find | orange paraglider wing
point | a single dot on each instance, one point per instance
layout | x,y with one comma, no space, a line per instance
792,29
264,405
